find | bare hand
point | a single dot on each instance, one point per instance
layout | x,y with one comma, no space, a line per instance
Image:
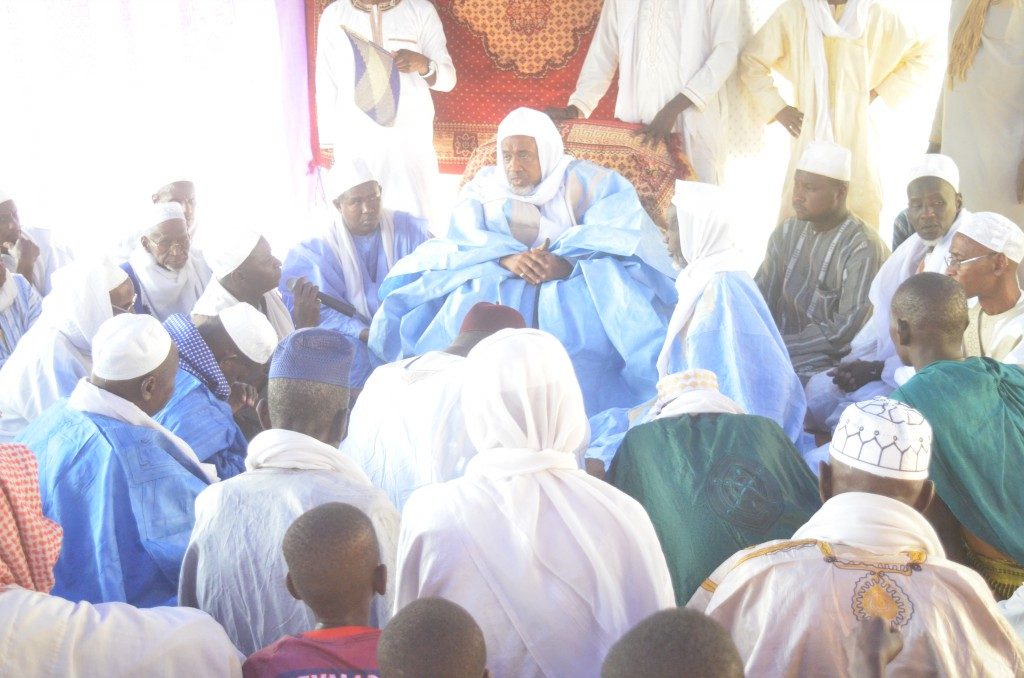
242,395
25,252
538,265
594,467
851,376
559,114
660,129
792,119
306,306
871,647
411,62
1020,183
364,336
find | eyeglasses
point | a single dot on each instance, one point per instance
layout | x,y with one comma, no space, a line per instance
170,244
953,261
130,309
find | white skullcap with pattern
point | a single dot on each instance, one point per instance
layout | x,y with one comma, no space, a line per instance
883,437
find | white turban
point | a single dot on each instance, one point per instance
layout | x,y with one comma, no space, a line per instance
939,166
346,174
5,196
129,346
995,232
226,250
826,159
550,152
79,301
252,333
885,438
165,211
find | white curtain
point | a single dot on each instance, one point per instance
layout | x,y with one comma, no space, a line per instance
100,99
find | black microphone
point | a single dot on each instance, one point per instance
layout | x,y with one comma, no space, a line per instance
339,305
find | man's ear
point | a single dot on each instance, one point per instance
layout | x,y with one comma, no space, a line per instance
144,241
924,500
291,587
148,387
380,579
1002,265
824,481
903,332
959,202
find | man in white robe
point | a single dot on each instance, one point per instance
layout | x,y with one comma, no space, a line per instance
935,210
167,276
402,155
867,553
396,435
45,635
20,306
673,58
56,353
245,270
978,120
553,564
984,258
839,57
234,568
30,252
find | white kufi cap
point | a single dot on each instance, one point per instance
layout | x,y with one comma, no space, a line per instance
885,438
826,159
939,166
347,173
165,211
995,232
251,331
129,346
225,251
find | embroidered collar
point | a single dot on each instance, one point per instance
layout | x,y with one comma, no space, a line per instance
368,6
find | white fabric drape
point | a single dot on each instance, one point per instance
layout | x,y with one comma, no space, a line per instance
820,25
550,151
164,291
340,242
215,299
706,239
281,449
693,402
89,398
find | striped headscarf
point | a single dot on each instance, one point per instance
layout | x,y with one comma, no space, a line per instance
29,542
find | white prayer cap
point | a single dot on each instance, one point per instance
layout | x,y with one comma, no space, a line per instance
690,380
939,166
226,250
252,333
995,232
5,196
826,159
161,212
347,173
885,438
129,346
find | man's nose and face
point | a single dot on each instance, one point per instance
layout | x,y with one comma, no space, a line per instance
522,163
360,208
932,206
815,197
971,264
10,226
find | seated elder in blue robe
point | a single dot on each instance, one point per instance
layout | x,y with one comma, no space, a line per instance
350,259
120,485
563,241
20,305
220,359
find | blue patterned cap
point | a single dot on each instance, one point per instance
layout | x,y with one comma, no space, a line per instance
322,356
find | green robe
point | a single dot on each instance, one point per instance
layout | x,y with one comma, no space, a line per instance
714,484
976,411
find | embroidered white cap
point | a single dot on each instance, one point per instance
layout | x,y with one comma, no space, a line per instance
939,166
129,346
827,159
690,380
884,437
347,173
995,232
165,211
226,250
250,330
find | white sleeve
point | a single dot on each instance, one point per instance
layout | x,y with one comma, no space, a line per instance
435,48
601,62
723,26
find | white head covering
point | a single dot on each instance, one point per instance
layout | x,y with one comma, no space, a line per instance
531,519
346,173
827,159
80,300
995,232
706,221
691,392
129,346
883,437
226,250
251,331
939,166
161,212
550,152
5,196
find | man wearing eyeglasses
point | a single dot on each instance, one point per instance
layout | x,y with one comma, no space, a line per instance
167,277
984,258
